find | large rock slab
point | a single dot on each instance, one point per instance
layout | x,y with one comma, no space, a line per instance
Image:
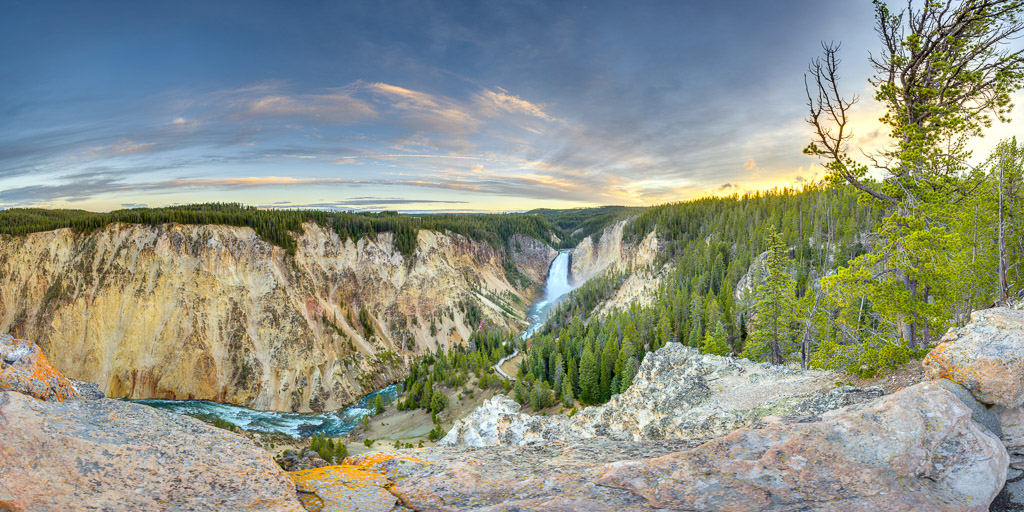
678,393
24,368
547,477
986,356
917,449
110,455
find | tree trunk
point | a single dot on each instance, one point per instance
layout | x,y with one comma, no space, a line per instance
909,330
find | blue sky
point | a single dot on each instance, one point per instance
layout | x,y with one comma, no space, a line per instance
412,105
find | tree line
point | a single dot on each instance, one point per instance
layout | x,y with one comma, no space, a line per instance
280,226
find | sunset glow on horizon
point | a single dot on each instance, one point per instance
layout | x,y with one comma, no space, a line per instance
460,107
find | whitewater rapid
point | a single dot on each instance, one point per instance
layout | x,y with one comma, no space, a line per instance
329,424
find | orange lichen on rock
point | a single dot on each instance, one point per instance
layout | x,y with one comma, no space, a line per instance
369,462
349,475
344,487
24,368
986,357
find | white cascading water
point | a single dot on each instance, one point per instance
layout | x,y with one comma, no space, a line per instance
556,287
558,278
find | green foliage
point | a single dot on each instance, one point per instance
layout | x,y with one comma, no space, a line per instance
438,402
709,246
329,450
716,341
579,223
435,433
943,75
368,442
224,424
378,404
773,328
590,377
366,321
865,360
278,226
452,368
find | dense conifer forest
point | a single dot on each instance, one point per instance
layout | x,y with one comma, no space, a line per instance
279,226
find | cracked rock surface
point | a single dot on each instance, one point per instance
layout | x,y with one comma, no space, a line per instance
915,450
677,393
109,455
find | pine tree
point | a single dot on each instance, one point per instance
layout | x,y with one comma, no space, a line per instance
608,357
775,311
716,341
574,377
567,397
590,379
696,321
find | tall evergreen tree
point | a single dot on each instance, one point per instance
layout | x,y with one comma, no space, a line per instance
944,74
775,312
716,341
590,377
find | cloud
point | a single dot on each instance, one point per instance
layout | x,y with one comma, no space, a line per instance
249,181
426,111
337,106
360,202
127,147
493,103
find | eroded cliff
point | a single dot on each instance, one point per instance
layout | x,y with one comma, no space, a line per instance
214,312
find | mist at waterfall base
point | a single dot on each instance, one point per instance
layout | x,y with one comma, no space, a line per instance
341,422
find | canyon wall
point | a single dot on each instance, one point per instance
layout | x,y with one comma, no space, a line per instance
591,257
214,312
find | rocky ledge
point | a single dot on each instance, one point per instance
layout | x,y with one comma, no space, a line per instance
678,393
917,449
24,368
80,451
670,442
703,433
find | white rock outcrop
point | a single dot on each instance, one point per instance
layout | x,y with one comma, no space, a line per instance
677,393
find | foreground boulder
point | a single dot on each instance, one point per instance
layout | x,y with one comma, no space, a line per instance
915,450
109,455
24,368
678,393
986,356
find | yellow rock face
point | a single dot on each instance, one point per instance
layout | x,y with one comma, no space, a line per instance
213,312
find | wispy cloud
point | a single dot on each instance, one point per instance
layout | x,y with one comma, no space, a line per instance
494,103
337,106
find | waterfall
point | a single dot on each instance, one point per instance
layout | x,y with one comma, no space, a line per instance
340,422
556,287
558,278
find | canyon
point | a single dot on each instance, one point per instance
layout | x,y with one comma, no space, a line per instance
213,312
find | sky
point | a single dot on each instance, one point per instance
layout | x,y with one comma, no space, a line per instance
416,106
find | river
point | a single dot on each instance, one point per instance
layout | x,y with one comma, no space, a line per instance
340,422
